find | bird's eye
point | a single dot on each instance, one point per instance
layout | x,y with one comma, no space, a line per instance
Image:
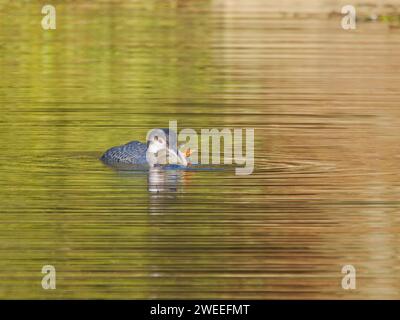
156,138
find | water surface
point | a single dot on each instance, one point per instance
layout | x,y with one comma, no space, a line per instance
324,103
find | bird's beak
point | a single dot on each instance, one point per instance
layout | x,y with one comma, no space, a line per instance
179,157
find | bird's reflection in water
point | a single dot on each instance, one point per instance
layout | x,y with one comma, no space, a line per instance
163,187
163,183
160,180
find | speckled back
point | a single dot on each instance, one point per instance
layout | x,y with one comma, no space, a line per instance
133,152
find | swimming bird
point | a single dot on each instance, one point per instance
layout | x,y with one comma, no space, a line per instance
160,148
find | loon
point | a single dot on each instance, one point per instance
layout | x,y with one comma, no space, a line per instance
160,147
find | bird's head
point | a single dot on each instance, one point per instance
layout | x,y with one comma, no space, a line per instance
162,145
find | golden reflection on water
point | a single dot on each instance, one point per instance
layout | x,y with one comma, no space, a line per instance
324,105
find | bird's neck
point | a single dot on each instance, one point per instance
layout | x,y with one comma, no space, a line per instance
151,158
